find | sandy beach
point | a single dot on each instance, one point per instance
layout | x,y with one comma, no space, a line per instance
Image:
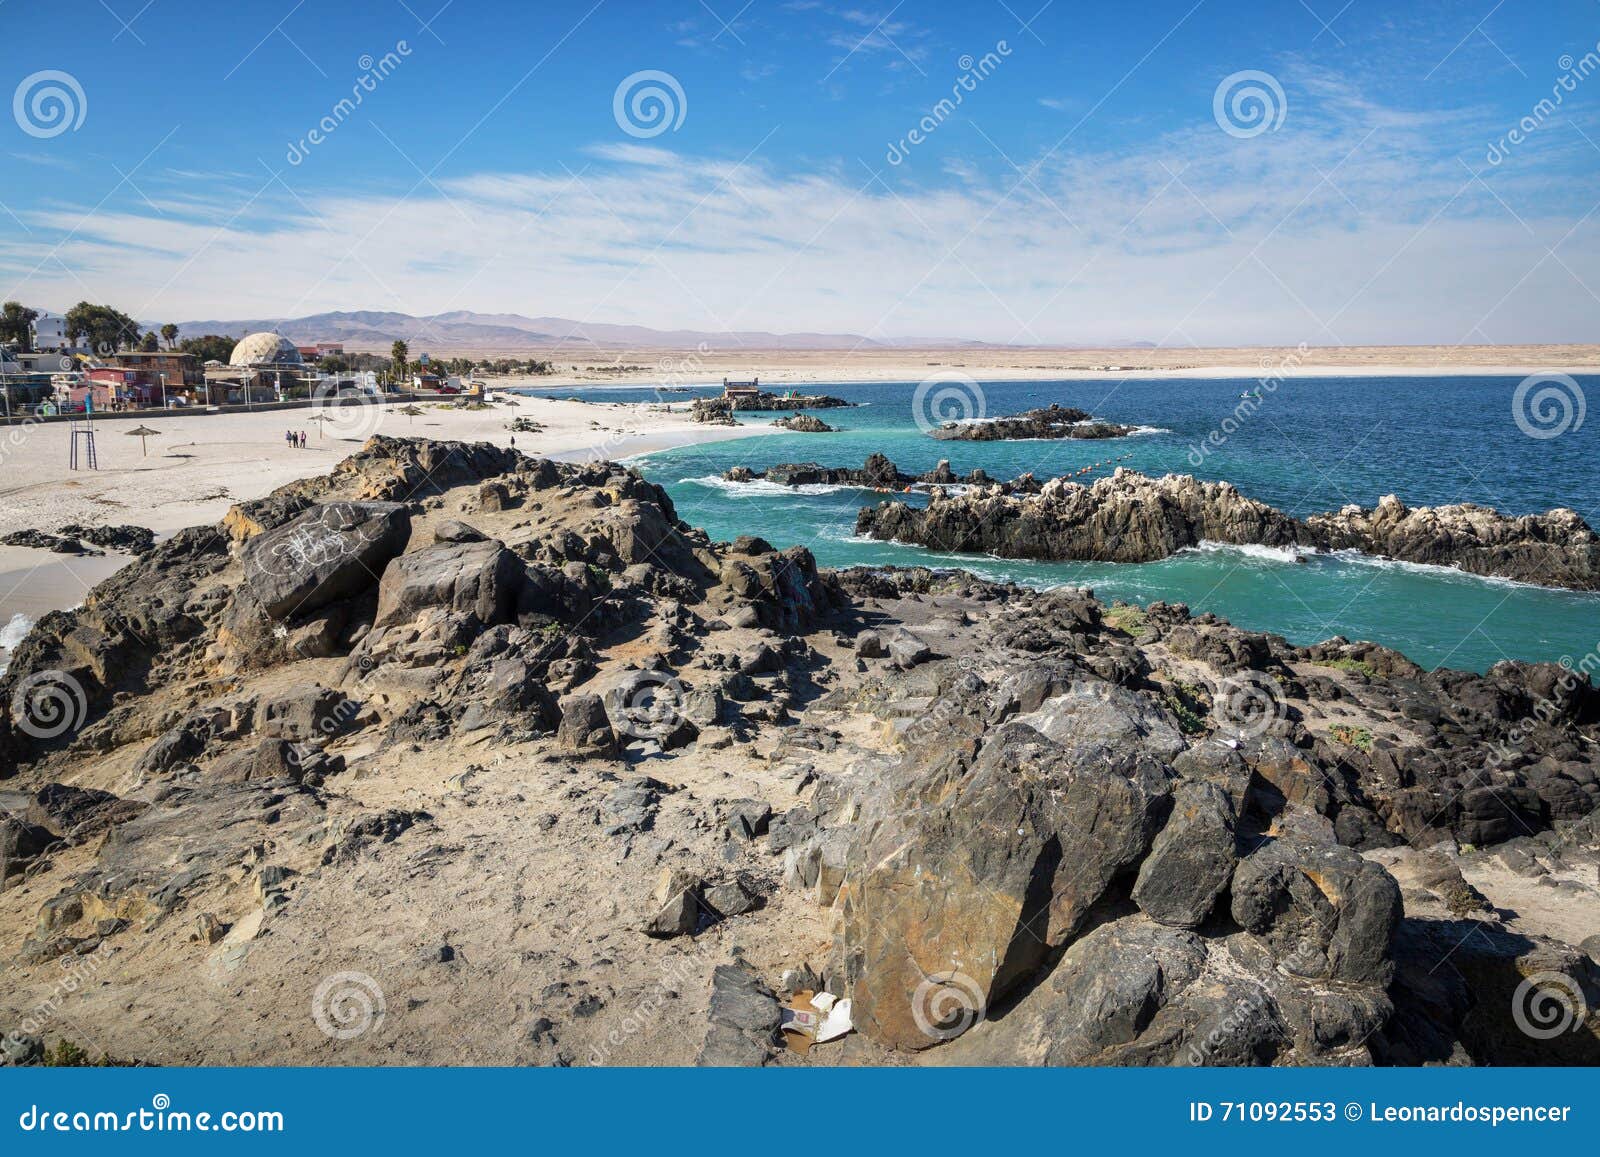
710,364
201,464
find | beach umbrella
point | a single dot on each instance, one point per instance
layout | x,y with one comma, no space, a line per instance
411,413
142,432
319,419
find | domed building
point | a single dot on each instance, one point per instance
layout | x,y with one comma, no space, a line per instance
264,349
263,367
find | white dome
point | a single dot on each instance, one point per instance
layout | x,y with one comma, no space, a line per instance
264,349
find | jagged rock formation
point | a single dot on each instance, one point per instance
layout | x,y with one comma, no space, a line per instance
1052,421
877,473
1129,517
804,424
542,765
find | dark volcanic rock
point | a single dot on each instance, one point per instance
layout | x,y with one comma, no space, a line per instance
1131,518
804,424
1192,859
1052,421
482,579
744,1019
327,553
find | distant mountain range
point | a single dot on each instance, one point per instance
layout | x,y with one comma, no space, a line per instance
510,332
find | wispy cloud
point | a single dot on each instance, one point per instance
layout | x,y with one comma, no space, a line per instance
1357,223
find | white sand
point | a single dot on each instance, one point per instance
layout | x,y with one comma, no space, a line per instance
201,464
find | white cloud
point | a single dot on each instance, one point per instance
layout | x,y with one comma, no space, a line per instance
1353,224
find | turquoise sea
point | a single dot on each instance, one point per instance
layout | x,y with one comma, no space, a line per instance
1312,444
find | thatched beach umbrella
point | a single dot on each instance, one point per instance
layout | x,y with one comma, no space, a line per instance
411,413
143,432
320,418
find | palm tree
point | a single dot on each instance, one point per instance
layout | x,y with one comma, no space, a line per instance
169,334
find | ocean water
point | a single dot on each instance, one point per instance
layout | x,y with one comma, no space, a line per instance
1311,444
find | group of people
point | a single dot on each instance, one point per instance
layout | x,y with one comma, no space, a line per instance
295,438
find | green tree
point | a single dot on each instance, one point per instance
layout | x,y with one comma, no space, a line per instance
149,343
209,348
169,334
16,322
398,353
103,328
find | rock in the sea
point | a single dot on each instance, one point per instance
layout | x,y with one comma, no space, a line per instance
804,424
1052,421
1129,517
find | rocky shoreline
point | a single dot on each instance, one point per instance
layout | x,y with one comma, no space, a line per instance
1048,422
1131,518
567,782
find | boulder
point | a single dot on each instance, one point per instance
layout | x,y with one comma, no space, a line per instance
477,578
1324,911
1191,860
327,553
949,905
20,844
585,729
675,904
744,1017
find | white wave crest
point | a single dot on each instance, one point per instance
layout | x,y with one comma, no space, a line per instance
762,488
1255,550
10,635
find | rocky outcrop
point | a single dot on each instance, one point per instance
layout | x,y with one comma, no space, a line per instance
804,424
765,400
1049,422
1556,549
1132,518
877,473
1124,518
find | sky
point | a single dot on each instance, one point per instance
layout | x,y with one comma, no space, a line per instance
1198,173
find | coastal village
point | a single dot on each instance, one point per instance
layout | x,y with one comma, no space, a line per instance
53,365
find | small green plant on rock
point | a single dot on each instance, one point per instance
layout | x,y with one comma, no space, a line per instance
1352,736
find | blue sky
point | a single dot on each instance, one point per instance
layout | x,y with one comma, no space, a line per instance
1094,182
